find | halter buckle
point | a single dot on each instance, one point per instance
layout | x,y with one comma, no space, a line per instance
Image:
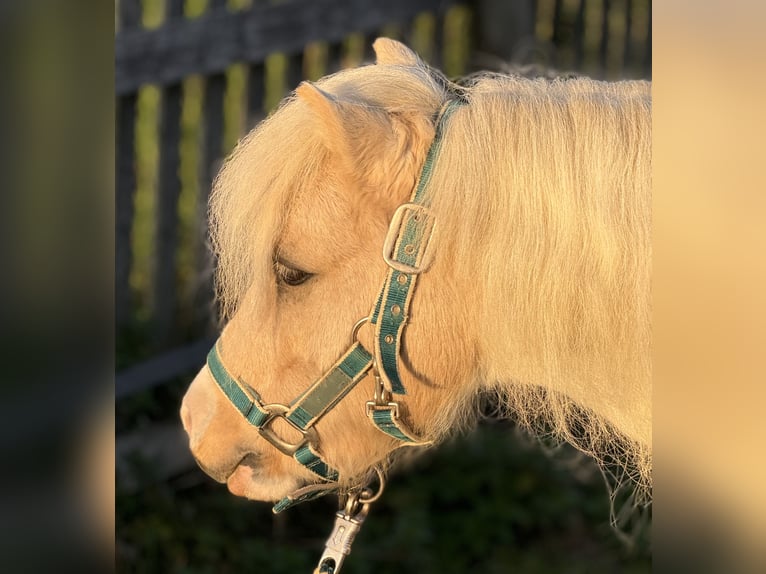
381,400
372,406
276,411
427,222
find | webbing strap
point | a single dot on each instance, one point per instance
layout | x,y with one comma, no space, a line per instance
408,240
312,460
386,421
310,492
245,401
331,388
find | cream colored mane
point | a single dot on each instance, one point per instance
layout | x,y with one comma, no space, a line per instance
542,194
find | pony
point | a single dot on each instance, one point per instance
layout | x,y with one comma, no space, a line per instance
536,290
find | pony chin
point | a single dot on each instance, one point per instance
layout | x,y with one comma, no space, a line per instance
253,485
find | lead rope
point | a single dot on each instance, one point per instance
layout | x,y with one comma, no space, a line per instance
348,522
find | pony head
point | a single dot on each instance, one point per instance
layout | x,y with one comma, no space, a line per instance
538,287
299,214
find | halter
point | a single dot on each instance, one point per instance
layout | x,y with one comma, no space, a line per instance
407,253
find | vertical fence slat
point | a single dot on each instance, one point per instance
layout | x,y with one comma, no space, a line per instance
294,70
558,12
256,86
215,87
369,53
579,32
603,52
129,13
164,271
164,299
647,63
125,193
438,52
627,53
174,9
408,33
334,57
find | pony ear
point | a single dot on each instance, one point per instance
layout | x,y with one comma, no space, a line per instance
371,142
390,52
324,105
348,128
346,125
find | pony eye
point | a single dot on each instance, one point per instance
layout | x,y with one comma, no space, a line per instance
290,275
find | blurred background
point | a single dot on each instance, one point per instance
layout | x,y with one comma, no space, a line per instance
192,77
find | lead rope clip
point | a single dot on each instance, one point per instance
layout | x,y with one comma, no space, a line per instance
347,523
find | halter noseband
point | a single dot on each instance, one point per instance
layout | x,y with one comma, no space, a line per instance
407,254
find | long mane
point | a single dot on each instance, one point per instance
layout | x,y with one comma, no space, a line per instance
542,193
545,190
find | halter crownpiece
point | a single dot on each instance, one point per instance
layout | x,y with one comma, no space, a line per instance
407,252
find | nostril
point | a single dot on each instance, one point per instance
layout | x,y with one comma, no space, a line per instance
250,460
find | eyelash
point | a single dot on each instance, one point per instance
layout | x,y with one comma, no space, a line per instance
290,275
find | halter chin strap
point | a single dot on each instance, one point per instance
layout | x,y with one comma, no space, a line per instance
406,251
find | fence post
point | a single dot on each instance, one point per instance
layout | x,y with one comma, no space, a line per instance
501,29
212,152
164,272
129,17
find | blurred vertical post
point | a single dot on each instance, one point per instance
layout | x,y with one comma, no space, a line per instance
129,16
164,287
502,29
215,87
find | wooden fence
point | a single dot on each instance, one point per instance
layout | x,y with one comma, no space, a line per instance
192,76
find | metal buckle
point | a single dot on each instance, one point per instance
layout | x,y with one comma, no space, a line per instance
381,400
389,245
372,406
279,411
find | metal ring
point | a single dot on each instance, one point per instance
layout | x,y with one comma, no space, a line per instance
357,326
368,499
354,506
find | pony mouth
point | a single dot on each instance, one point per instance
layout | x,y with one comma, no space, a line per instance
247,462
240,481
248,483
248,465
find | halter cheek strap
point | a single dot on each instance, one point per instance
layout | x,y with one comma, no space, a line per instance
406,251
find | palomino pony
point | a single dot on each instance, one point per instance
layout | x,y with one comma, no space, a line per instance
494,238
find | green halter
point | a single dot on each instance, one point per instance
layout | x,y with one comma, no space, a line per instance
406,251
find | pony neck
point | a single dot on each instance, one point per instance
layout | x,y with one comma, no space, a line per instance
547,218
